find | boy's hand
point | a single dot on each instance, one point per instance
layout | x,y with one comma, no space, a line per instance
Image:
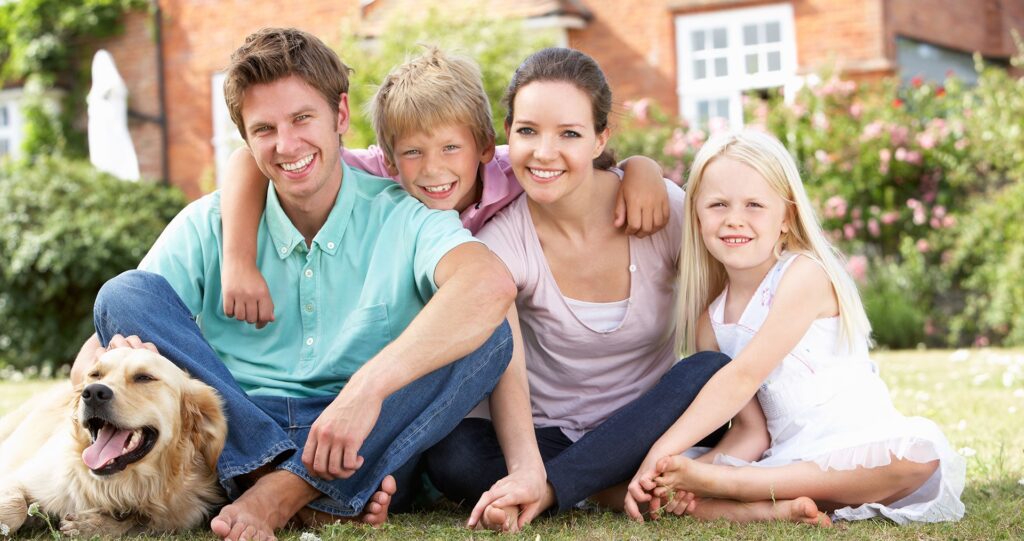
246,295
642,205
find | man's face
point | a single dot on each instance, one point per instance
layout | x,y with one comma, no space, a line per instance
293,135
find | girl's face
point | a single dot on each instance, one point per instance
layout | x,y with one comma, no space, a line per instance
551,139
741,217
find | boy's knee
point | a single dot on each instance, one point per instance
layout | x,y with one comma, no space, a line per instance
497,350
699,365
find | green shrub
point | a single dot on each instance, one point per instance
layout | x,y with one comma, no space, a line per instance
497,45
66,228
986,258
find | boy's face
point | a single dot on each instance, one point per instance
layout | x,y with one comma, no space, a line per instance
440,168
293,135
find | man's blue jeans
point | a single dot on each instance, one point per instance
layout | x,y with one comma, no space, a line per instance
266,430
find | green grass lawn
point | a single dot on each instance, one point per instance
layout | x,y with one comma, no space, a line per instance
976,397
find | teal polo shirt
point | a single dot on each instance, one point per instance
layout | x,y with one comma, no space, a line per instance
337,303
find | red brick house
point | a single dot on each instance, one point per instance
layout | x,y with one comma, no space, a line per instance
694,57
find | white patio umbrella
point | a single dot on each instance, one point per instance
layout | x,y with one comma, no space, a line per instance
110,143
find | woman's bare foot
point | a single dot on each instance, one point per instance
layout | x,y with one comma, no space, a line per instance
263,508
677,473
802,510
500,519
375,513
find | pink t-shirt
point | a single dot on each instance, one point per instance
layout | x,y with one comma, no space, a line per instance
500,184
579,376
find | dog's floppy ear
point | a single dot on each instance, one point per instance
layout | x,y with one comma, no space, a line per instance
203,421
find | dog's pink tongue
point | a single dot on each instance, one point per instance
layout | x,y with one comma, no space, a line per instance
108,445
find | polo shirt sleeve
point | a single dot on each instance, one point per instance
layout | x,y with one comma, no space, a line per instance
436,233
179,256
504,236
370,160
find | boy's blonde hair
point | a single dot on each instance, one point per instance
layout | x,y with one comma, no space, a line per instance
427,92
702,278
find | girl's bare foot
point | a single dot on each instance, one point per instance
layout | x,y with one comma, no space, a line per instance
677,473
801,510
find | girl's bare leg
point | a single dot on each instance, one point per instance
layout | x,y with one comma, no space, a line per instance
884,484
800,510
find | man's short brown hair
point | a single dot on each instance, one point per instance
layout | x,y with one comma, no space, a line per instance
275,53
428,92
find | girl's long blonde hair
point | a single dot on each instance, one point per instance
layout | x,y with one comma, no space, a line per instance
702,278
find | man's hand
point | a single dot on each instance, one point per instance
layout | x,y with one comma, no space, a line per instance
332,449
246,295
133,341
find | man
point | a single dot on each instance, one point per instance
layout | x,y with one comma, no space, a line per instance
377,297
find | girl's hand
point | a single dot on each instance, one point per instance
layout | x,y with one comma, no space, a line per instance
246,295
525,490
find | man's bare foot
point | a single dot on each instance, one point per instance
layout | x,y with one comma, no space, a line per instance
500,519
263,508
802,510
678,473
375,513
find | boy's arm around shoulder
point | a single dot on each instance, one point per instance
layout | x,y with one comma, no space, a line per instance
642,205
243,198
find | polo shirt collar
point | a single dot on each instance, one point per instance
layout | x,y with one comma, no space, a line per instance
286,236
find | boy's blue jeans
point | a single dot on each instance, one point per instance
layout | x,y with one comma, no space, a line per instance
266,430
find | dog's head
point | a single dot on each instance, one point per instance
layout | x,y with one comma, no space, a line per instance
136,409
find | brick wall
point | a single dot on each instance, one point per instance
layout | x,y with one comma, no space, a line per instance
634,43
980,25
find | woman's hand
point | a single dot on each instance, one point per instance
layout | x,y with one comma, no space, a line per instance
518,498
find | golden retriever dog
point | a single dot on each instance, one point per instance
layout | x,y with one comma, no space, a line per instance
134,448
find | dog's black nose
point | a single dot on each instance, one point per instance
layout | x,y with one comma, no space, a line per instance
97,394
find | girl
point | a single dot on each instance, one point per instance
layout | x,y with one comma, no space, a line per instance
765,287
594,305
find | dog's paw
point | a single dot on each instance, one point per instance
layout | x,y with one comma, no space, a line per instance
89,525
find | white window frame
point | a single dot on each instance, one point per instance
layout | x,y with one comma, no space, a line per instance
225,134
13,132
692,91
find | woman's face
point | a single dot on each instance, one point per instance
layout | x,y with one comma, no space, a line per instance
552,143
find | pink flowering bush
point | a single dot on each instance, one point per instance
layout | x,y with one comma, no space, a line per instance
902,177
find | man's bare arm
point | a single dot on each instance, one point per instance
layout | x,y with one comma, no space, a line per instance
474,293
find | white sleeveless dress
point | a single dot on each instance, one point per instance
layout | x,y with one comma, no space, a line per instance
827,405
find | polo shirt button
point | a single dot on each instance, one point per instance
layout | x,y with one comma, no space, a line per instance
309,273
632,268
284,250
309,341
309,307
330,245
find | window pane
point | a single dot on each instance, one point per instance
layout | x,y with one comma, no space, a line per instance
698,40
751,61
5,146
750,34
699,69
721,67
774,61
4,119
773,32
719,39
722,107
703,110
